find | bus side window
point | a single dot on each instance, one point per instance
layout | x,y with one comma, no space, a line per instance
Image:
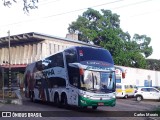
55,61
59,60
39,65
71,56
73,72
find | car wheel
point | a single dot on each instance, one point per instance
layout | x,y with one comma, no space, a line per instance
126,96
139,98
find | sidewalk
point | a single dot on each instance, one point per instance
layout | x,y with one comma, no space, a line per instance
11,100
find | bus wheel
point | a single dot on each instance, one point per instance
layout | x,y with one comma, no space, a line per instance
94,107
64,101
56,100
32,97
83,107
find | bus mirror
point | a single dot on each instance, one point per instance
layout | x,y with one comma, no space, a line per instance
81,71
123,75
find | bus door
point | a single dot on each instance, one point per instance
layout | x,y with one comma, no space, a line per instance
74,84
73,76
73,96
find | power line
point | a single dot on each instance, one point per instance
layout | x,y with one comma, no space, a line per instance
99,6
45,3
132,4
145,13
65,12
82,9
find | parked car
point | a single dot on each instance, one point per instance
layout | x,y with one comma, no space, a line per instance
147,93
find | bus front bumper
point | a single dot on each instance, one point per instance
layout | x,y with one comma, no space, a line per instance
83,101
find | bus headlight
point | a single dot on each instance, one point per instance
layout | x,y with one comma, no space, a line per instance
113,96
85,96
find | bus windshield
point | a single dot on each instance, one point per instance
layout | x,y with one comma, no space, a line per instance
98,81
88,54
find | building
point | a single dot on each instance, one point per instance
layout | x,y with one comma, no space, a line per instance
139,77
29,47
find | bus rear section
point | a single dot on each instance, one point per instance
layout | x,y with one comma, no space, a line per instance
29,80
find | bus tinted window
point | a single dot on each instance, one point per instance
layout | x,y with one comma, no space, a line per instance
86,53
54,61
71,56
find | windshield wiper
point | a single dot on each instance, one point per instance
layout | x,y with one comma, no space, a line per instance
91,89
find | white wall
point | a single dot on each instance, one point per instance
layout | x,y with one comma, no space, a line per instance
137,76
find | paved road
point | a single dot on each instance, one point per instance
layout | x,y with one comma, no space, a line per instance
123,108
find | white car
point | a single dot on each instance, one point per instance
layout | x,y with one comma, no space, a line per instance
147,93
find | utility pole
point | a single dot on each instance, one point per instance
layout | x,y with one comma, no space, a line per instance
3,81
9,75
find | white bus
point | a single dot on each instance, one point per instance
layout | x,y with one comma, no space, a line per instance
80,76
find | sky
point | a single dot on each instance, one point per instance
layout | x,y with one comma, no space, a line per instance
54,16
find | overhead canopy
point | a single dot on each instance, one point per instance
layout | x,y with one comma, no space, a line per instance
19,39
35,37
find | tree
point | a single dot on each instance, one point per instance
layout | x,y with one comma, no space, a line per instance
143,44
27,4
103,29
153,64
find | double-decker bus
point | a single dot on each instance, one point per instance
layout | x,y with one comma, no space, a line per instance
80,76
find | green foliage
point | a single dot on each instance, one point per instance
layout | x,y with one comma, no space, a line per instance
103,29
153,64
143,43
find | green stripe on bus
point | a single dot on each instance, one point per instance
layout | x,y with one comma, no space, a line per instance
83,101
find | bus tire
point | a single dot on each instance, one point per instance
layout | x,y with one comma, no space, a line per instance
94,107
56,100
83,107
31,94
64,101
